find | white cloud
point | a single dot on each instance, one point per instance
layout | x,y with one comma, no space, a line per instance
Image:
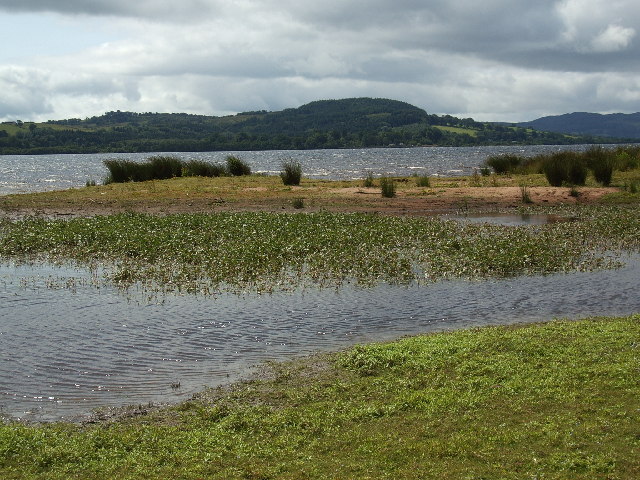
613,39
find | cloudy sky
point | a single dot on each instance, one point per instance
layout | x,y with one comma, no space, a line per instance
495,60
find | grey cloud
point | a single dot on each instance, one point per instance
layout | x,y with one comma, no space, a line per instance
153,9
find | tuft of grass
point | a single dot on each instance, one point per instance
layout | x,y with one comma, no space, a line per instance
554,400
291,173
388,187
525,194
368,181
91,183
504,163
200,168
423,181
237,167
298,203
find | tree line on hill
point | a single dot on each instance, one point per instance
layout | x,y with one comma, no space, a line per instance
348,123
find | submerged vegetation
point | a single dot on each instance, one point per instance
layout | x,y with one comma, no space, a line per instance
265,251
557,400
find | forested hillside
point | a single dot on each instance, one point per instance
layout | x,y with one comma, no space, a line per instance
347,123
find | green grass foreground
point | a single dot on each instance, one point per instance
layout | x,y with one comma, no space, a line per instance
557,400
266,251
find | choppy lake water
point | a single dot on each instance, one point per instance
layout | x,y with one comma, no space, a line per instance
34,173
65,351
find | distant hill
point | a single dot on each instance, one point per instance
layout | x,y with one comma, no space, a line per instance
619,125
344,123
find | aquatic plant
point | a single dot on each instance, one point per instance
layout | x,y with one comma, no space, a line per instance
164,167
601,162
291,172
237,167
565,167
261,251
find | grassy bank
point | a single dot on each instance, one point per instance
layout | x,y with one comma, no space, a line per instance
264,251
558,400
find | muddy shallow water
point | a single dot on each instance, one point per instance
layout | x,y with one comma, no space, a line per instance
67,347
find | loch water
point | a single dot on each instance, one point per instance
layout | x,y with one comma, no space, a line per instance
35,173
68,346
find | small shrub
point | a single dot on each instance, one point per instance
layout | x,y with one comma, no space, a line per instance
503,164
298,203
291,172
388,187
368,181
485,171
237,167
423,181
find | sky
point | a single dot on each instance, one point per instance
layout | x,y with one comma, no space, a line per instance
495,60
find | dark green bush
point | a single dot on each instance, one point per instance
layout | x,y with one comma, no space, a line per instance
291,172
237,167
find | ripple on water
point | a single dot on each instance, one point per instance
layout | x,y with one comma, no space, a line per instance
64,352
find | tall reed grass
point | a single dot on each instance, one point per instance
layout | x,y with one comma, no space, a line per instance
291,173
164,167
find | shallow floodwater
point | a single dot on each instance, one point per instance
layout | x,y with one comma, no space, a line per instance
67,347
509,219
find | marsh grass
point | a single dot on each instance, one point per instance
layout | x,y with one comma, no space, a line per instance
368,181
279,251
525,195
423,181
555,400
237,167
291,173
166,167
387,187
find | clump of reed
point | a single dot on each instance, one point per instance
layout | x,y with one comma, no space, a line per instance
570,168
503,164
423,181
291,173
565,168
387,187
200,168
237,167
368,180
164,167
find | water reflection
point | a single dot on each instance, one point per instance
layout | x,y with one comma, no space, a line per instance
65,351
